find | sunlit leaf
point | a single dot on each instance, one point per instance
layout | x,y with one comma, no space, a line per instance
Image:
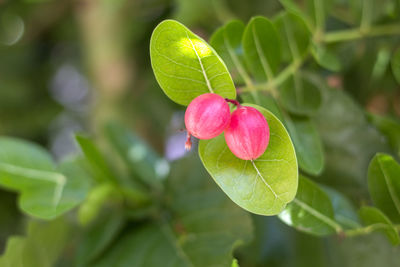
384,185
186,66
311,211
262,48
46,191
374,217
263,186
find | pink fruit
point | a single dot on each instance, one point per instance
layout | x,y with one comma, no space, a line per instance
206,117
247,135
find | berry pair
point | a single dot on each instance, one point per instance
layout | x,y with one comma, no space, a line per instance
246,129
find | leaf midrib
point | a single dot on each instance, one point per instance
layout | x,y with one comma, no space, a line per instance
325,219
201,64
57,178
264,63
236,61
263,179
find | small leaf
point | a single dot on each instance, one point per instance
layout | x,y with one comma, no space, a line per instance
141,159
96,160
313,11
344,210
326,58
311,211
307,142
384,185
262,48
263,186
186,66
300,96
46,191
396,65
390,128
295,35
227,41
373,216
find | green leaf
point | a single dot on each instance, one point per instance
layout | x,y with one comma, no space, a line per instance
263,186
326,58
262,48
295,35
227,41
313,11
384,185
292,7
344,210
396,65
186,66
199,215
46,191
374,217
300,96
96,160
307,142
390,128
98,236
141,159
311,211
40,248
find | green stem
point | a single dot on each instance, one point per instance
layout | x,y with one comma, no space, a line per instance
368,229
353,34
319,17
366,16
278,80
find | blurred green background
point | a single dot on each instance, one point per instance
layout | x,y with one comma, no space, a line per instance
69,66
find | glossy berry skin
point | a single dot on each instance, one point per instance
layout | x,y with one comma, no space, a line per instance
207,116
247,135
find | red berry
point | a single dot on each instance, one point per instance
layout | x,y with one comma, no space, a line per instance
247,135
207,116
